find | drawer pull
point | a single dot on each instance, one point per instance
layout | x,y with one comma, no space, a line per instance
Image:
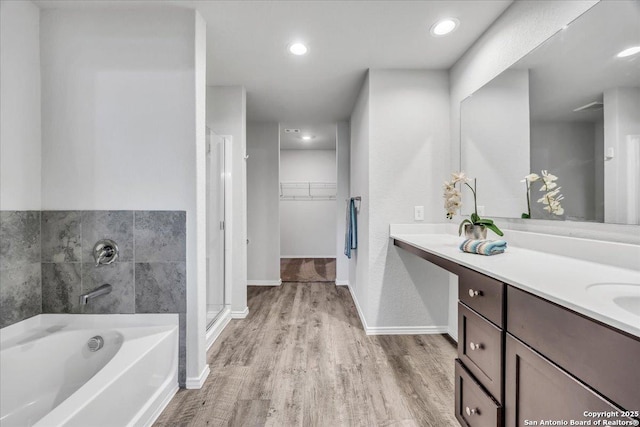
471,411
475,346
473,293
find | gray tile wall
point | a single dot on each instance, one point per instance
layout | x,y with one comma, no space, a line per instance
46,262
20,289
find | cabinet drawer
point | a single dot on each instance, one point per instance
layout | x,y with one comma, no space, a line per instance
482,293
603,358
480,348
474,407
536,389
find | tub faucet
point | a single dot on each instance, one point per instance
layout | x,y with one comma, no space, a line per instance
102,290
105,252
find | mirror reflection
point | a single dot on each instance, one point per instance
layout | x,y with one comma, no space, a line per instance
569,109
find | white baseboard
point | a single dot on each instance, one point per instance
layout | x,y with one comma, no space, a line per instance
198,382
358,309
406,330
394,330
216,329
342,283
240,314
308,256
264,282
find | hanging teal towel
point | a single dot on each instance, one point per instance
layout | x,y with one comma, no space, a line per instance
351,232
483,247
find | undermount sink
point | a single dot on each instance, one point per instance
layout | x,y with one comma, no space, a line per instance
624,295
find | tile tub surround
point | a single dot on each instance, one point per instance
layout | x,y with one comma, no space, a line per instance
149,275
20,246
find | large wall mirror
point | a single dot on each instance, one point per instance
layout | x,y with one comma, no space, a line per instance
570,107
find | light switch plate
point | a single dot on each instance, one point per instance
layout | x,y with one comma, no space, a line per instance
480,211
418,213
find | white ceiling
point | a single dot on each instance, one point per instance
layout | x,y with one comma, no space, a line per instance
323,136
247,41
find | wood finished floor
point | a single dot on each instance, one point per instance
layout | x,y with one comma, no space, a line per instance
301,358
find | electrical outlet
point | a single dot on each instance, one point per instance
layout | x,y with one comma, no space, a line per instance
480,210
418,213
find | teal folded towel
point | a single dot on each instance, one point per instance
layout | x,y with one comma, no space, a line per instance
483,247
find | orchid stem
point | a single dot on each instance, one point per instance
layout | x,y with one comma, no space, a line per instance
526,183
473,190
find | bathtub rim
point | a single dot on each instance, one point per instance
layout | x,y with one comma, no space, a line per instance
156,403
86,321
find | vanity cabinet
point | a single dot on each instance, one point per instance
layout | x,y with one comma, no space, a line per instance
480,348
474,406
480,363
606,359
483,294
537,389
522,357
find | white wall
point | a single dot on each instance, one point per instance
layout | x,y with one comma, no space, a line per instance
622,173
20,152
123,127
359,182
402,146
343,149
495,131
227,115
567,150
308,227
408,158
263,198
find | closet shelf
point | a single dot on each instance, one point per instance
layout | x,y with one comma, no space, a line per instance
307,190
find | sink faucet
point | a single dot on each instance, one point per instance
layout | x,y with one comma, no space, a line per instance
102,290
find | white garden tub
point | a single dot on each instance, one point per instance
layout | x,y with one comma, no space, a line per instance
48,376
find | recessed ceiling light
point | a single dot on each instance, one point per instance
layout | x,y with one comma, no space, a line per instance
298,49
444,27
628,52
307,138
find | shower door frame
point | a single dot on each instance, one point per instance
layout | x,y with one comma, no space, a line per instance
214,327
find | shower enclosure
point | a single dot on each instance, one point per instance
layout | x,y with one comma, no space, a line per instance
218,175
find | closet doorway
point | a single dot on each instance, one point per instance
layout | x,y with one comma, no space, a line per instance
308,176
218,213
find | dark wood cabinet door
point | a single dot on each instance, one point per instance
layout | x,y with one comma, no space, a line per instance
483,294
480,347
605,359
536,389
474,406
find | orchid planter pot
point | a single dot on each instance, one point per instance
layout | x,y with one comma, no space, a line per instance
476,232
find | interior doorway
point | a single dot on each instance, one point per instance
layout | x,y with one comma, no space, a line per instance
308,189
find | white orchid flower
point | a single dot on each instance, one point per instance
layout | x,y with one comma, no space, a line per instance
532,177
459,177
448,186
548,186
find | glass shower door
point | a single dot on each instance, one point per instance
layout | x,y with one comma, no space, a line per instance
215,226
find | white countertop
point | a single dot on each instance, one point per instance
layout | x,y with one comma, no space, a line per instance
561,279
